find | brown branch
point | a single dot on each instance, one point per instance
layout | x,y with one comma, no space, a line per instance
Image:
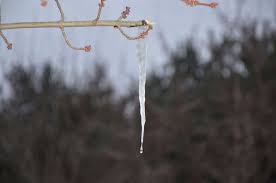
101,5
60,10
65,37
9,45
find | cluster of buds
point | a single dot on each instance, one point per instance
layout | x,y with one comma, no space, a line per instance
126,12
144,34
9,46
43,3
197,3
87,48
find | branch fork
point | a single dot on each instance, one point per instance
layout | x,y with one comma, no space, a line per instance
141,35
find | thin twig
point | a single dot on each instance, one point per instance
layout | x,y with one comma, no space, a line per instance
67,41
101,5
60,11
9,45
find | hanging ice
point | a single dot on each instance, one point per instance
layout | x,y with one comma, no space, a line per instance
141,54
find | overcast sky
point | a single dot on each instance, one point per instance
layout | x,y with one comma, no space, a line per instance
175,20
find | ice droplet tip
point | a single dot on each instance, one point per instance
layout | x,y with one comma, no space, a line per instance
141,149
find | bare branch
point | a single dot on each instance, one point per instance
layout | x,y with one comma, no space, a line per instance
101,5
55,24
61,24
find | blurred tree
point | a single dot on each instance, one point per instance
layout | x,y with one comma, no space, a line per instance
52,133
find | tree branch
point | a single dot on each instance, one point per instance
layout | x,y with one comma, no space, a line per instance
57,24
92,23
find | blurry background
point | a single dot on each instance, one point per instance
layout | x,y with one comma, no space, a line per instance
69,116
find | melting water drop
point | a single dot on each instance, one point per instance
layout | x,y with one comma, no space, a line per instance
142,137
141,54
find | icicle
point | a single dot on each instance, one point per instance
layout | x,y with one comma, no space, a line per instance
141,54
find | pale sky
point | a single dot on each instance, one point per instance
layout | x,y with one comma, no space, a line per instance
176,21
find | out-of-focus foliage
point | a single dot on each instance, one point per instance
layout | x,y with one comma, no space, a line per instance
210,122
50,133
